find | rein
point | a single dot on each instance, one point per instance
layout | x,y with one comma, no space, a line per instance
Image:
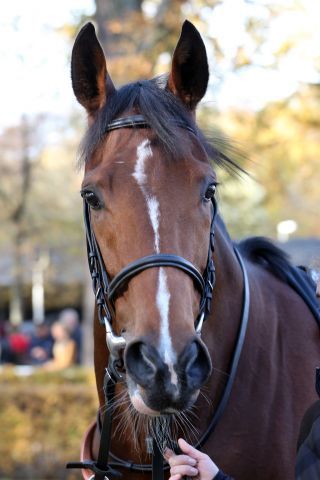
106,290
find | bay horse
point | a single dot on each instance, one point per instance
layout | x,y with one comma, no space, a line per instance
152,226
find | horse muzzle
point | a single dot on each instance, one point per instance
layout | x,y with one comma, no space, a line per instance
164,387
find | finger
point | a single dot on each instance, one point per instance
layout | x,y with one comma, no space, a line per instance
168,453
184,470
190,450
182,460
175,477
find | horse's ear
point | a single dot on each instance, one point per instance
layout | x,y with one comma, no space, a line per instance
90,81
189,74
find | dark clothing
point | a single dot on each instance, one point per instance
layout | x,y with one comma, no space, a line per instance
308,457
222,476
76,335
45,343
300,280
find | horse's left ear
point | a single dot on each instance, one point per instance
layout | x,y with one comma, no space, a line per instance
189,74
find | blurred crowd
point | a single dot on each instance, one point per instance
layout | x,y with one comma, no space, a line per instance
52,345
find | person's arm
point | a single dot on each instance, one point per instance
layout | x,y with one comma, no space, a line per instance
192,463
63,358
68,355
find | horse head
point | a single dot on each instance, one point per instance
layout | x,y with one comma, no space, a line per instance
148,189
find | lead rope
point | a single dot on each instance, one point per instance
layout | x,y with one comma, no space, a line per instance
157,463
105,443
101,468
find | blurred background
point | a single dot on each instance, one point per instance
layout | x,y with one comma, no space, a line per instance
264,94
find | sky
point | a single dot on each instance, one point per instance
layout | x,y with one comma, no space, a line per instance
35,57
253,87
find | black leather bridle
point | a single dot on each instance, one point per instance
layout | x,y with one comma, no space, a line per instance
106,290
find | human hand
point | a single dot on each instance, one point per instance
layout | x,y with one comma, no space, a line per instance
38,353
191,463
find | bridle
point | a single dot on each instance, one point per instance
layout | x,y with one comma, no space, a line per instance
106,290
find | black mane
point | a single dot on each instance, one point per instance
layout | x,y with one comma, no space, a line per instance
262,251
161,110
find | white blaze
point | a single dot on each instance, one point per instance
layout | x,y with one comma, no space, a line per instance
154,213
163,302
143,152
163,295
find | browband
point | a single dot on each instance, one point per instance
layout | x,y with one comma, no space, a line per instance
138,121
134,121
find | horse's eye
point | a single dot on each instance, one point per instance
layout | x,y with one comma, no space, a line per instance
92,200
211,190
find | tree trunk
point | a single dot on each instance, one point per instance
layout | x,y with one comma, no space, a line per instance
106,12
17,217
16,295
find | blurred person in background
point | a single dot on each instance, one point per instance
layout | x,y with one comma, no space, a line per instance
4,345
14,345
64,348
69,317
41,344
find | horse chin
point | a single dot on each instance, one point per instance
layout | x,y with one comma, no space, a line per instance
140,404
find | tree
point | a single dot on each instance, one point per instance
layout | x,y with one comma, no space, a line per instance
17,176
38,200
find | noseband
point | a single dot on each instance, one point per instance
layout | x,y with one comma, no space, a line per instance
106,290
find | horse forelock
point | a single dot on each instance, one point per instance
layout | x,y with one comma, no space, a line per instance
162,110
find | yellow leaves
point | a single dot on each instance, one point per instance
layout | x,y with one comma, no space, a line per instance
285,48
43,418
242,59
115,26
283,148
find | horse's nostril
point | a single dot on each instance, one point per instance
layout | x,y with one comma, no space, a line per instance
142,362
146,367
196,363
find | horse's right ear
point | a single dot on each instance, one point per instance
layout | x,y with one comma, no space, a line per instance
90,80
